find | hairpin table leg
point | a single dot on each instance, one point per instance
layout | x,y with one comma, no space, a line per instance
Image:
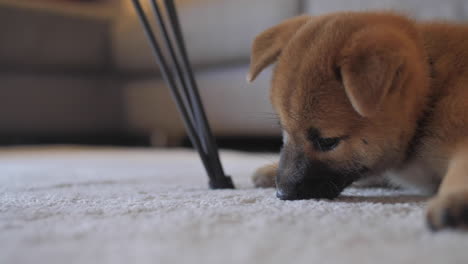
185,91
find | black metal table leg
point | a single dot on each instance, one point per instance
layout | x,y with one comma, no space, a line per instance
183,86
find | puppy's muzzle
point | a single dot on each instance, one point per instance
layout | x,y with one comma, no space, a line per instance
300,178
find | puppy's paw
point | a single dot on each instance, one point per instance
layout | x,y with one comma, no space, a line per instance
264,177
448,211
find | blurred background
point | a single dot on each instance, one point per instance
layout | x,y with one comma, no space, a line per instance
81,71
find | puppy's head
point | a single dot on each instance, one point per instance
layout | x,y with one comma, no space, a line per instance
348,89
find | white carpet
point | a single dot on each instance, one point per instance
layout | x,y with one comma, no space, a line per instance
85,205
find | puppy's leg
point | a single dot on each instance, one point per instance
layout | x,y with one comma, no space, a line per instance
264,177
449,209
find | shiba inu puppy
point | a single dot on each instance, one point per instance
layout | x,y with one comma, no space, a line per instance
362,94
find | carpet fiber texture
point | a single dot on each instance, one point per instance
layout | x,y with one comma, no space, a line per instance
112,205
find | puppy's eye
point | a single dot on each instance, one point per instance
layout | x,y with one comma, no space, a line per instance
325,144
338,74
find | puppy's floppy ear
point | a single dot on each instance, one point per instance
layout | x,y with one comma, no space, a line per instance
370,66
268,45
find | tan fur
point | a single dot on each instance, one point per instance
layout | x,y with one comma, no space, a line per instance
370,77
264,177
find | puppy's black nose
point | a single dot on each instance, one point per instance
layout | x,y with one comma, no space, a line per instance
285,195
310,190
